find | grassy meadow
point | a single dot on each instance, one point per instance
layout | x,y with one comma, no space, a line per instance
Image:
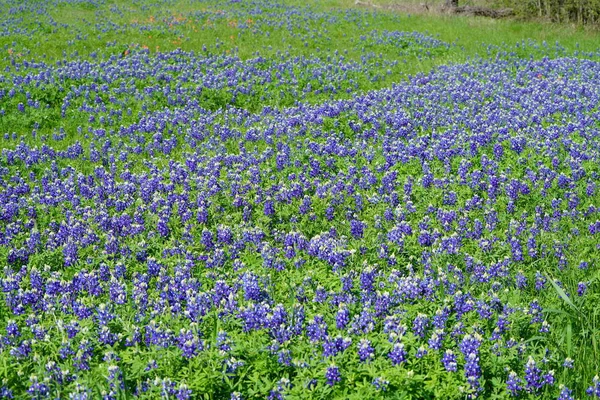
285,199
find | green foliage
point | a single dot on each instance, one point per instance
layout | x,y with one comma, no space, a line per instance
578,325
560,11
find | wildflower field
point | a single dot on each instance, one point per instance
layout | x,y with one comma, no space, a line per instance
287,200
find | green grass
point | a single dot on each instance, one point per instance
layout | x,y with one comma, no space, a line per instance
76,31
470,34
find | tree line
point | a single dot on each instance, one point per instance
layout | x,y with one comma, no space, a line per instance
562,11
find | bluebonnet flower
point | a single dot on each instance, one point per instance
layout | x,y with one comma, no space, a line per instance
367,280
12,329
65,350
514,383
117,291
252,289
115,381
440,318
207,239
332,375
540,281
521,280
152,364
80,393
473,370
189,343
223,341
397,355
533,378
548,378
269,208
357,228
333,346
277,393
594,389
565,393
342,317
380,383
365,350
421,352
183,392
317,330
284,357
449,361
232,365
363,322
469,346
6,393
535,310
420,325
37,389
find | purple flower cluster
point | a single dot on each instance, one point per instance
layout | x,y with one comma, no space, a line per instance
182,219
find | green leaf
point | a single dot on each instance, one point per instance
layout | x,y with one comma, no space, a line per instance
531,339
556,311
562,294
569,330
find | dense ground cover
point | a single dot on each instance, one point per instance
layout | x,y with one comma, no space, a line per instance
293,202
